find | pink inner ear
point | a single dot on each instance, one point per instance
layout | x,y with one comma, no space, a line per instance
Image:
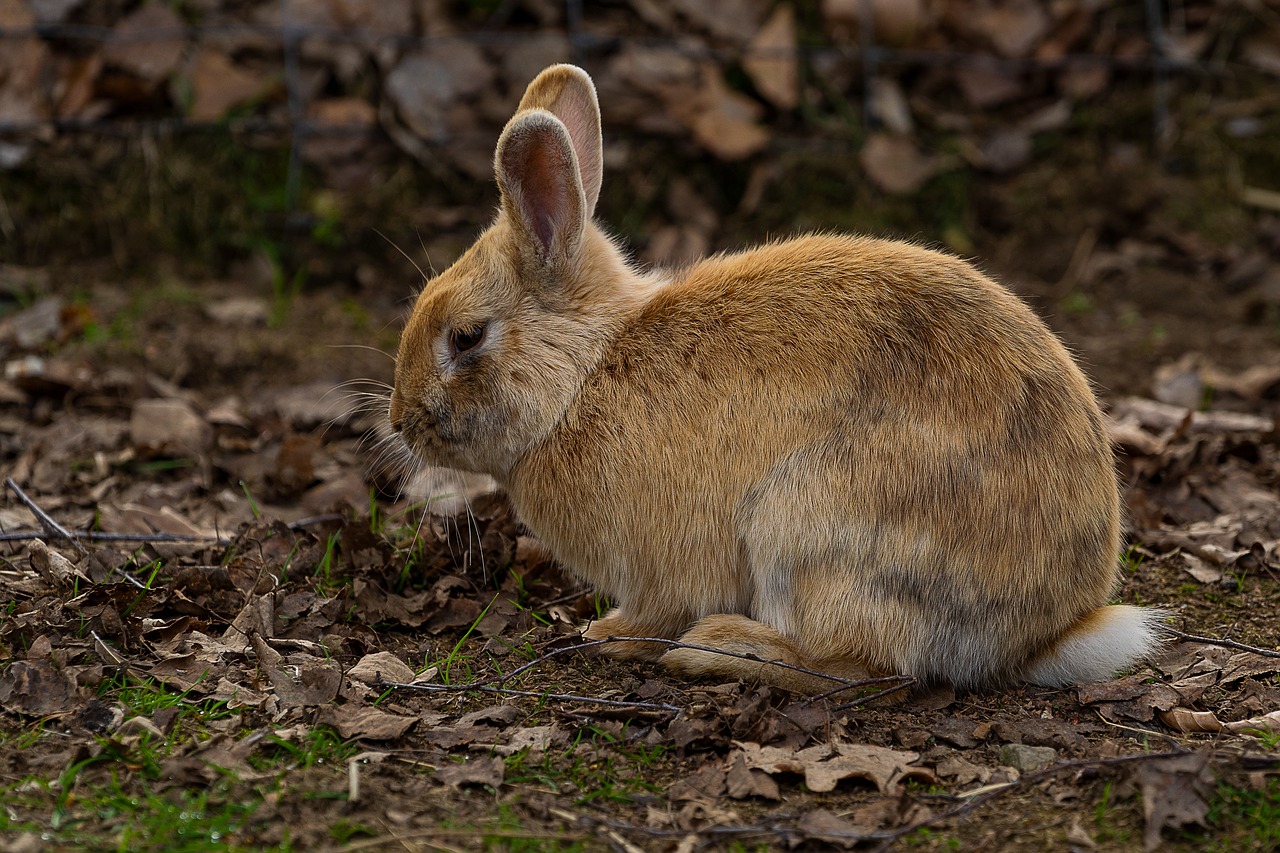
545,196
581,119
541,182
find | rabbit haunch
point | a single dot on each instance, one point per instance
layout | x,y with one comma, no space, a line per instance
852,455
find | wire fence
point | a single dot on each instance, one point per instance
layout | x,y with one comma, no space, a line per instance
288,51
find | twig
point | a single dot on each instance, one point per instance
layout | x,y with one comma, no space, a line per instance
156,536
100,536
1214,641
486,687
46,521
905,681
972,803
844,683
428,834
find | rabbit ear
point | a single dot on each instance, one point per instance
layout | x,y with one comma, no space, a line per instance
541,188
566,91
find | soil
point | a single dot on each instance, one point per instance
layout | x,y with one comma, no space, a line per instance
216,410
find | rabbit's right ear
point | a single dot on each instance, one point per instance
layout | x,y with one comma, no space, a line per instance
549,163
541,189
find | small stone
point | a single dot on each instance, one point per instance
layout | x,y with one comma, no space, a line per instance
1027,759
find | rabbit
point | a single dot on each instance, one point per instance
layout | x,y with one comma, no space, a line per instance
851,456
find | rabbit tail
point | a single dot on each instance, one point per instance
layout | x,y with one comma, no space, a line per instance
1100,644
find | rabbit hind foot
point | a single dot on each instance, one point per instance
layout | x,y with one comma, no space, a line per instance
754,652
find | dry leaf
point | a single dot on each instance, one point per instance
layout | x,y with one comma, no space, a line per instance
732,20
489,771
1267,724
1014,29
724,121
169,427
742,782
895,165
706,783
149,42
1199,569
380,666
824,766
822,825
1174,794
771,59
987,85
894,22
219,85
37,688
317,680
1188,721
366,723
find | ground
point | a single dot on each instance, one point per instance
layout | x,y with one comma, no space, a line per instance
285,654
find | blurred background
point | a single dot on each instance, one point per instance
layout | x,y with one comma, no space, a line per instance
221,193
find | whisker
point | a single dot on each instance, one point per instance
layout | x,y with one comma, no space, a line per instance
403,252
363,346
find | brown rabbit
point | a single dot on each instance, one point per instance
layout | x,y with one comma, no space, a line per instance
851,455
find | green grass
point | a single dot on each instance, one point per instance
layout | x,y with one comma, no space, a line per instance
120,798
142,697
596,768
1241,820
318,747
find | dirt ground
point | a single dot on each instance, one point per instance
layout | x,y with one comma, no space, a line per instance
274,652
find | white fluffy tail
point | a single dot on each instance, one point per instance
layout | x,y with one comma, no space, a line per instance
1097,646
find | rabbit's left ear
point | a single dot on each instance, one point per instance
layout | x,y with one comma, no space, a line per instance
566,91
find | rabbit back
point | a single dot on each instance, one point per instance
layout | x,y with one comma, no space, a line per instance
867,445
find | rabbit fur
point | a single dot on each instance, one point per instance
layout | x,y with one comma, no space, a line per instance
851,455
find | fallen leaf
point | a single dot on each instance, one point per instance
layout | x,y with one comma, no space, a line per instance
219,85
380,666
1188,721
366,723
895,164
535,740
742,782
1014,29
1174,794
823,825
488,771
37,688
169,427
317,680
986,85
826,765
771,61
893,22
494,715
705,783
723,121
149,42
1268,724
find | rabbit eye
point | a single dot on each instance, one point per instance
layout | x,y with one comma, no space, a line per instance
463,339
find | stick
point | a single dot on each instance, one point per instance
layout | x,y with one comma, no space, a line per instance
974,802
46,521
483,687
1226,644
157,536
844,683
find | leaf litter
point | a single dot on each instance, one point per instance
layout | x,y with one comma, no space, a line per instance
256,617
441,650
